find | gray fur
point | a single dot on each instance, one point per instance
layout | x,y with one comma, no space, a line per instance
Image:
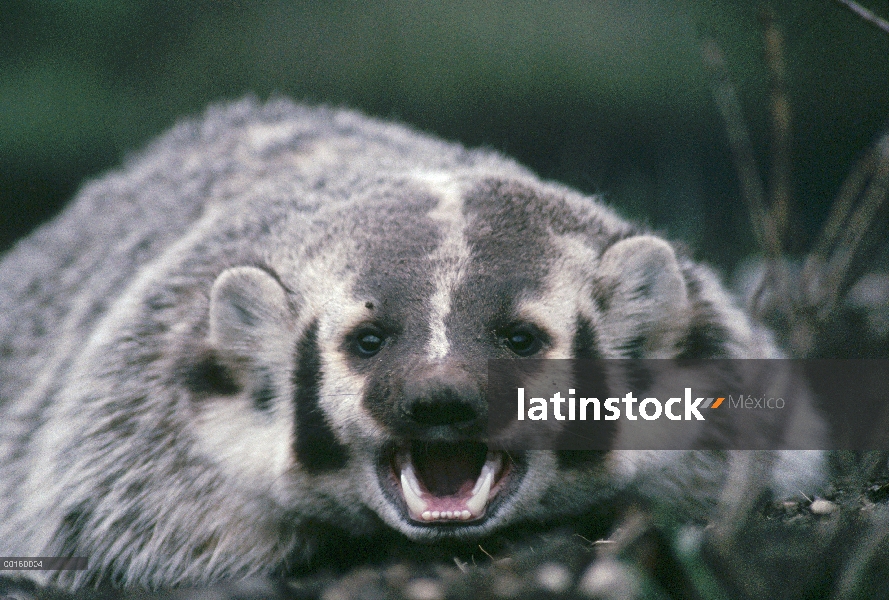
179,393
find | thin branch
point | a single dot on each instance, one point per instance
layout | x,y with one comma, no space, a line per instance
779,108
778,212
769,223
866,14
840,271
739,140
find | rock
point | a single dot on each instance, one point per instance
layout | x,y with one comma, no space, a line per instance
822,507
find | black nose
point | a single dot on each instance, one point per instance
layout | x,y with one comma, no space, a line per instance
437,408
444,411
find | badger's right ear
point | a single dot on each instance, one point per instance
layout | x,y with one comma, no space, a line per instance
247,307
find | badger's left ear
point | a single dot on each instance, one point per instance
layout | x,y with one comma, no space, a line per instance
248,309
643,295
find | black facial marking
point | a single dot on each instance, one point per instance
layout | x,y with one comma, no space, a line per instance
586,342
639,377
316,447
209,376
590,380
704,340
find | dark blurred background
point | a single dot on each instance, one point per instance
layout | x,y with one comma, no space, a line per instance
608,96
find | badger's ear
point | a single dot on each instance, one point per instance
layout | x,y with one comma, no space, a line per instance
643,295
247,306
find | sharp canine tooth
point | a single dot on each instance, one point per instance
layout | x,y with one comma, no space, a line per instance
416,504
487,470
412,478
476,504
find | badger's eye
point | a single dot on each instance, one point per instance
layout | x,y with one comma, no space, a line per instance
523,340
369,341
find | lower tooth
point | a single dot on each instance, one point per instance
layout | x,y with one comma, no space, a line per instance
479,500
416,504
427,516
465,515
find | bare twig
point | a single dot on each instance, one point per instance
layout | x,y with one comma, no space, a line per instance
769,223
739,140
779,105
866,14
841,272
780,186
463,566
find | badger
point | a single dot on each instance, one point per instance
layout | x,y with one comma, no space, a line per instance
275,322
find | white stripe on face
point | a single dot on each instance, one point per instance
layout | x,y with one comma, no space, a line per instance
449,259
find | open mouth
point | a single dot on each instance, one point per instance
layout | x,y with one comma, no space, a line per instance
447,481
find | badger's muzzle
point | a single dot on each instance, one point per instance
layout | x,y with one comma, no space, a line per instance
448,481
442,469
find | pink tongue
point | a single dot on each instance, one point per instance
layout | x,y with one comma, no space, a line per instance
448,469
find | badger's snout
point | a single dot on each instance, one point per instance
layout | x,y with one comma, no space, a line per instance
440,469
446,405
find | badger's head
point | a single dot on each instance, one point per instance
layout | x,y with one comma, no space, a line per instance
361,346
